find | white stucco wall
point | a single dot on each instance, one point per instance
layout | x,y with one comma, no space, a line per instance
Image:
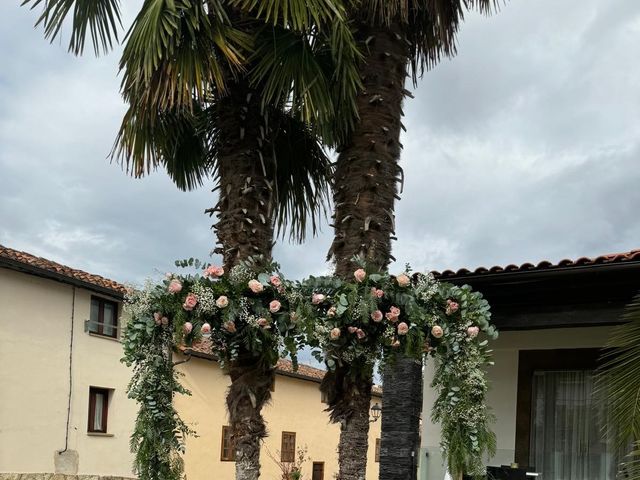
502,397
35,323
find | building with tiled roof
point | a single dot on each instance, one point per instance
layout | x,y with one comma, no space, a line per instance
63,386
59,341
554,319
25,262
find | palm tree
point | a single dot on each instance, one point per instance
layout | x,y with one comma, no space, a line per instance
399,37
242,91
618,382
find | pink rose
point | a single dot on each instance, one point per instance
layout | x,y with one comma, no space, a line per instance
360,275
214,271
174,286
332,312
393,314
403,280
275,280
403,328
157,317
164,321
452,307
377,316
437,331
395,343
274,306
255,286
352,329
473,332
230,326
360,334
317,298
222,301
335,333
376,292
263,322
190,302
187,328
205,329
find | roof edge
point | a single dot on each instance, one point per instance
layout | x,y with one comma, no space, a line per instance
23,267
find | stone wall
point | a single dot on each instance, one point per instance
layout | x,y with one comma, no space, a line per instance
55,476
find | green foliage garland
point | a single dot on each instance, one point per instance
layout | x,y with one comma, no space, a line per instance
350,326
158,436
460,382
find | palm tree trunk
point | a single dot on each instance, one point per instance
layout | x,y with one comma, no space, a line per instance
245,229
244,210
354,433
367,169
365,190
401,409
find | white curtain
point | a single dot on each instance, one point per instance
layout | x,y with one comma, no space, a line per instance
97,415
566,429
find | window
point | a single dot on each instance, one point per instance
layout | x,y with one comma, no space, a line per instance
98,410
324,397
288,450
377,450
318,471
104,317
227,450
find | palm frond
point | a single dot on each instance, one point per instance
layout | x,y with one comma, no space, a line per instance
430,27
98,18
173,140
630,466
177,50
299,15
302,178
619,378
316,76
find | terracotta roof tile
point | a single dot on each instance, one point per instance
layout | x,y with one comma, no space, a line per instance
42,264
203,347
631,256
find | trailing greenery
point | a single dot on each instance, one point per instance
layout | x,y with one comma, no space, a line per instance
350,326
618,381
460,381
158,435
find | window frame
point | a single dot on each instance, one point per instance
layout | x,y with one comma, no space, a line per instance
290,454
100,324
226,430
313,471
93,392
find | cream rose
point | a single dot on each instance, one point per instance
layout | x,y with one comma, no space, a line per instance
222,301
403,280
437,331
255,286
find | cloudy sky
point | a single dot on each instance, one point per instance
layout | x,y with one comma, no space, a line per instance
524,147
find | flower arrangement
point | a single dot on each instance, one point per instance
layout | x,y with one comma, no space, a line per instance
355,322
252,308
460,382
350,325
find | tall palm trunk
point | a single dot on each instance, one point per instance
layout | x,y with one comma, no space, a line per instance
367,174
244,229
401,409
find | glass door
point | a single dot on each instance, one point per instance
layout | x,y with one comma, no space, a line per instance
566,428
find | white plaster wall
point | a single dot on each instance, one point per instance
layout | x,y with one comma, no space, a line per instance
502,397
35,323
